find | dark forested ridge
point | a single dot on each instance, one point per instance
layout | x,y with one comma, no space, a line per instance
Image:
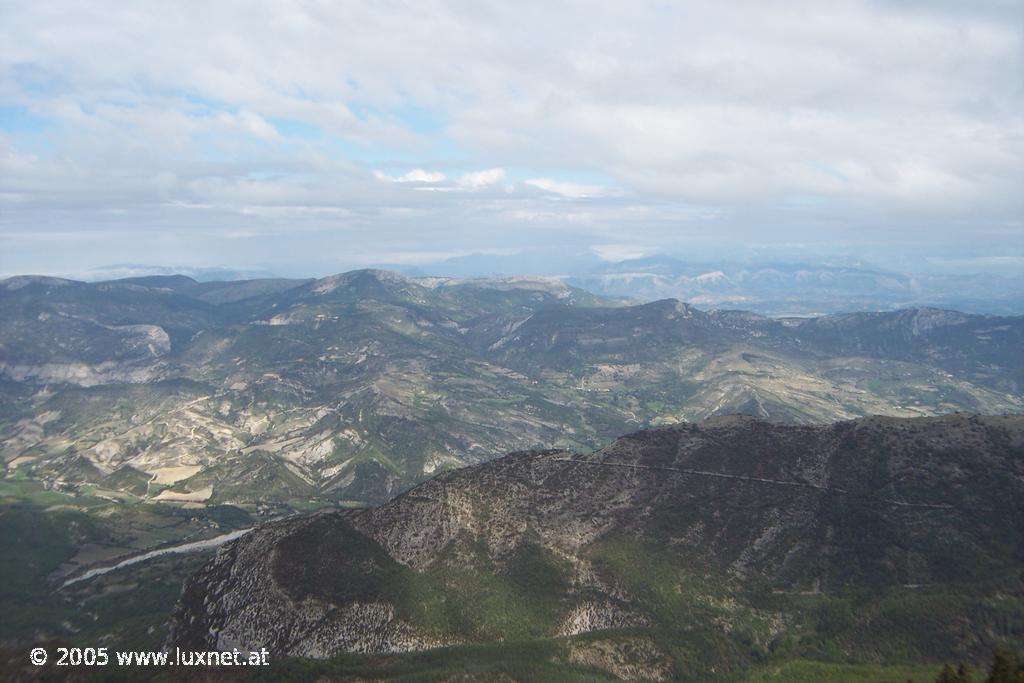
674,552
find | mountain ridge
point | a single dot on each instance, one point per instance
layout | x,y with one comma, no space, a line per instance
363,383
767,525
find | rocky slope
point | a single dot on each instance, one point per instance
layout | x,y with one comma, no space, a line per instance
695,549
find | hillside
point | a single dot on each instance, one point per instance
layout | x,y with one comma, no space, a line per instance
690,551
351,388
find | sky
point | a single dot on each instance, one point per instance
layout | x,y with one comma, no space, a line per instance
304,138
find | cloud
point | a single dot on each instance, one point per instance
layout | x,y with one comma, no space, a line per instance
256,125
478,179
874,121
416,175
567,189
618,252
473,180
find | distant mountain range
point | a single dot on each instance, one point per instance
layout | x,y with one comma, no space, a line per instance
770,287
692,552
353,387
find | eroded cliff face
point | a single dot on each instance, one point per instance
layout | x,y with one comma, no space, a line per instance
260,605
668,531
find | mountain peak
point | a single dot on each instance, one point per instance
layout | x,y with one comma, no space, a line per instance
330,283
19,281
672,308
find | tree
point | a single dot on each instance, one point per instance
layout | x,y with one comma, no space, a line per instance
1005,668
962,674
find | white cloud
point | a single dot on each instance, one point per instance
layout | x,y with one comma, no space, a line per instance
467,181
568,189
416,175
618,252
478,179
257,125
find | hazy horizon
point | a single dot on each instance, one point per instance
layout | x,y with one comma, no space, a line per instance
539,263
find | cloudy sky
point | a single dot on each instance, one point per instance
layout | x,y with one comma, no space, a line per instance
309,137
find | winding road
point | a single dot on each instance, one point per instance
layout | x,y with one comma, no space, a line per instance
184,548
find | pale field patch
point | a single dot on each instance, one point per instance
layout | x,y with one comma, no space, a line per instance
273,446
187,497
170,475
